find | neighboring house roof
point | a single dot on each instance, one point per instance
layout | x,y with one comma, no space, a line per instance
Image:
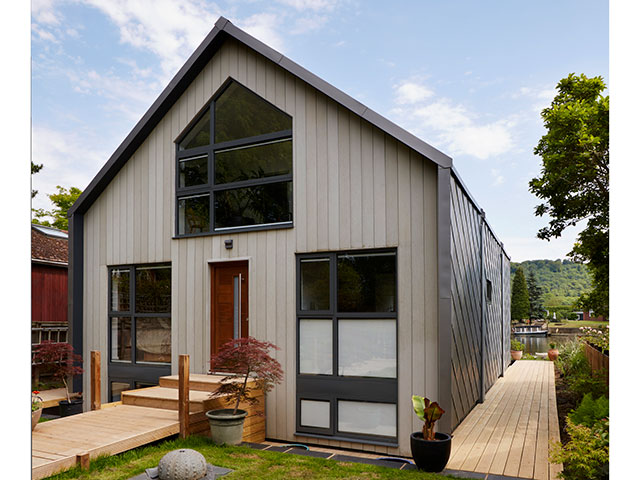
222,30
49,245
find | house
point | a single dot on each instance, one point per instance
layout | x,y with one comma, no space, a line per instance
49,296
255,198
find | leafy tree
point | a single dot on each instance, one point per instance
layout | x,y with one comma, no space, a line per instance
519,297
574,182
63,200
536,310
35,168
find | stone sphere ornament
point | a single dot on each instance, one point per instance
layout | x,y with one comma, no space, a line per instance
182,464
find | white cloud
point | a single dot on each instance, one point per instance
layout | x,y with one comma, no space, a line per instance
498,178
44,12
43,34
265,27
411,92
455,128
70,155
169,29
308,24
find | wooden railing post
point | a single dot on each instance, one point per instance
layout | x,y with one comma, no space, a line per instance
183,395
95,380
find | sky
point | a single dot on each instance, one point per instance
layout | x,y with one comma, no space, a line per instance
468,77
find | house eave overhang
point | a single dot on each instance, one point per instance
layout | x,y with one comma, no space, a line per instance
222,30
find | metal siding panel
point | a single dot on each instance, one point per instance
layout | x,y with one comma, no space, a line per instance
366,169
379,189
310,185
322,165
333,185
355,180
344,181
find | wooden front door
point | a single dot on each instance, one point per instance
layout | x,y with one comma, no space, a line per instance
229,302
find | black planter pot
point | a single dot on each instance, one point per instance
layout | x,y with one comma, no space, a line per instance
431,455
70,408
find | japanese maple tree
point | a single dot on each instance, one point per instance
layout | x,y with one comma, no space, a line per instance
244,358
58,359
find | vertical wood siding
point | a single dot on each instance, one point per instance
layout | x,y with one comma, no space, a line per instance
476,256
354,188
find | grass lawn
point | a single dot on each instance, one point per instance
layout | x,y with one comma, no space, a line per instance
579,323
246,463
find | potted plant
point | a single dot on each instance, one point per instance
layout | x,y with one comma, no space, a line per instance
36,408
58,359
242,358
430,449
516,349
553,352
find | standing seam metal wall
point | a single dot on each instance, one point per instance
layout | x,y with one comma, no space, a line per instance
479,326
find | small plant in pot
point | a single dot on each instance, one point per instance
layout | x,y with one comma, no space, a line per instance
517,348
430,449
36,408
242,359
552,353
58,359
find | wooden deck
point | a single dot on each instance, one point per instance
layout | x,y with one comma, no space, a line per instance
55,445
509,433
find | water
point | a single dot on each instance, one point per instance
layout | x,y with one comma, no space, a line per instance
540,344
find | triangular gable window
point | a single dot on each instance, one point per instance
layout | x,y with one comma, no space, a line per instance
244,178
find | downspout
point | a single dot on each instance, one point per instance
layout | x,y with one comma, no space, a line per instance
74,288
483,306
444,298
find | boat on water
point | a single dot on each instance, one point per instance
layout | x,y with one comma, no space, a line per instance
535,330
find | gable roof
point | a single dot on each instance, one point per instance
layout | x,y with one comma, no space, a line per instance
222,30
49,245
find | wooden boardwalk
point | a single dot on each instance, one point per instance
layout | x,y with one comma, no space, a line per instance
509,433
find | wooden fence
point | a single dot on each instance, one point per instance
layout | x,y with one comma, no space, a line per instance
597,360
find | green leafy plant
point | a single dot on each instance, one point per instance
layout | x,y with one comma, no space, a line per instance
36,401
590,411
573,365
517,346
552,346
428,412
598,337
586,455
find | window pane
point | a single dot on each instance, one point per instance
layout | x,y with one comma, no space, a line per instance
35,336
314,413
257,205
241,113
367,348
314,284
199,135
153,290
116,390
120,290
193,214
367,283
153,340
259,161
368,418
193,171
121,339
316,346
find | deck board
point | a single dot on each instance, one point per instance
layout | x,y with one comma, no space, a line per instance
56,443
509,434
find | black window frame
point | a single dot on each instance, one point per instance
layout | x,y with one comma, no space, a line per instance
211,187
333,388
132,371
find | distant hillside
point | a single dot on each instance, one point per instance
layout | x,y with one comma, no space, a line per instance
562,282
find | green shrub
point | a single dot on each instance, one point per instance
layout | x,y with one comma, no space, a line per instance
590,411
586,455
516,345
573,365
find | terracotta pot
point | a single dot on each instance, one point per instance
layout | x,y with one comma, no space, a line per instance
552,354
35,418
516,354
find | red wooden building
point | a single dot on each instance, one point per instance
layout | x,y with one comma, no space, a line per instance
49,263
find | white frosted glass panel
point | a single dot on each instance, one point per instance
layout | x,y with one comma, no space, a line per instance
316,346
367,348
367,418
314,413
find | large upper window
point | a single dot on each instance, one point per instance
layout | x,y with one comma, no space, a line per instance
235,166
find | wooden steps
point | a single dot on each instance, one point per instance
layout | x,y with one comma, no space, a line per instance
165,396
